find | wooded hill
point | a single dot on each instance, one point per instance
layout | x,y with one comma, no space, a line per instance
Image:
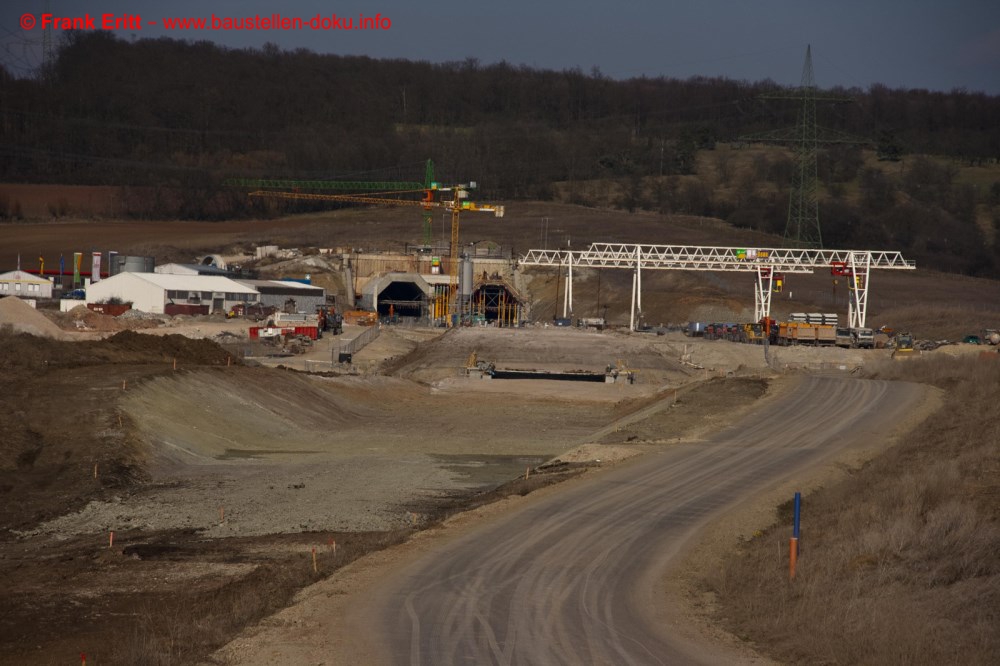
172,119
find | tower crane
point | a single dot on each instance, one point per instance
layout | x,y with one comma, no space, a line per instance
372,186
456,204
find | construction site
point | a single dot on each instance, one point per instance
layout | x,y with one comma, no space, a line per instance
384,421
202,457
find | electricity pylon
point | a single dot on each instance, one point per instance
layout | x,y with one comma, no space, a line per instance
48,51
802,227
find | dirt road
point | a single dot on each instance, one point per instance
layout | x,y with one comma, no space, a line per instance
572,579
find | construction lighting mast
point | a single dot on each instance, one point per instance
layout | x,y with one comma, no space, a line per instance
802,226
458,203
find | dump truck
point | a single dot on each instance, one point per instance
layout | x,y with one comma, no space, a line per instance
793,332
844,338
863,338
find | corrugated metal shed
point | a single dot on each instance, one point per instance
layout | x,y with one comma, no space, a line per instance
277,292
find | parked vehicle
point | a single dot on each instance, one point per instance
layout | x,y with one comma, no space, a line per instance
863,338
792,333
904,346
844,338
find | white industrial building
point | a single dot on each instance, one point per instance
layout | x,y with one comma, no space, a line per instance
25,285
151,292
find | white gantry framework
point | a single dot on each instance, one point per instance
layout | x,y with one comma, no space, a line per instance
766,263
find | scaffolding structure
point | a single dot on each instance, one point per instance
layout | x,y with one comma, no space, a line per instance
495,299
764,262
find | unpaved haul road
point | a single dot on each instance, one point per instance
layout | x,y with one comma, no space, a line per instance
576,578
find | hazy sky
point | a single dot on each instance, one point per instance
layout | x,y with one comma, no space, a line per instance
935,44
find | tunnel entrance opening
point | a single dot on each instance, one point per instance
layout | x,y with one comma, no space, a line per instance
496,302
402,299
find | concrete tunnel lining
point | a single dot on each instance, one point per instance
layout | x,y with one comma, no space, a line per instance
398,289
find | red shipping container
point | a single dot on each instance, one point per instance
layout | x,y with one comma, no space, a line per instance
185,309
112,309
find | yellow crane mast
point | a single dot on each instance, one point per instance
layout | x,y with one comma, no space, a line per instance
456,204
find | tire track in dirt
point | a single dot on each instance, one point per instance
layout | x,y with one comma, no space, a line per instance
572,578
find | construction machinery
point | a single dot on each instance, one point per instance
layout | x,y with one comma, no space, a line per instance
904,346
855,338
456,204
794,332
754,334
475,367
844,338
863,338
360,318
254,311
330,319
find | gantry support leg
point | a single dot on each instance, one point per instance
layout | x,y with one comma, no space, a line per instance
568,295
762,293
857,308
638,281
631,320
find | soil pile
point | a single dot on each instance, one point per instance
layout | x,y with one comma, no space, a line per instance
22,317
82,318
29,353
172,346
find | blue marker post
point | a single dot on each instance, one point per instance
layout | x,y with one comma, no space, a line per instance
793,543
798,515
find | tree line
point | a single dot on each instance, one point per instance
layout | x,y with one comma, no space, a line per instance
170,120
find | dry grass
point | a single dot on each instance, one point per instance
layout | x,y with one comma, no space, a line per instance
900,564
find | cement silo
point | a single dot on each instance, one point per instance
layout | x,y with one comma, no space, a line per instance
465,284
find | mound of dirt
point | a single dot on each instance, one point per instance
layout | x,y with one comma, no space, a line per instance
81,318
30,353
22,317
169,347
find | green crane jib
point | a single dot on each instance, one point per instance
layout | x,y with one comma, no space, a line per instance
360,185
350,185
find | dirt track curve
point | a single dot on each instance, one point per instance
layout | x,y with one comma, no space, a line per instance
575,578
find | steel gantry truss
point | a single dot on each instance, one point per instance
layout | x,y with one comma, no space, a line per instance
856,265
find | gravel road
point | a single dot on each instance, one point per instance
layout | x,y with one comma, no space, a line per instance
572,579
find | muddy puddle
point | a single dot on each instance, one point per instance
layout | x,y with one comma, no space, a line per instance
257,454
487,470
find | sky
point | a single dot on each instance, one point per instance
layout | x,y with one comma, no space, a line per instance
933,44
